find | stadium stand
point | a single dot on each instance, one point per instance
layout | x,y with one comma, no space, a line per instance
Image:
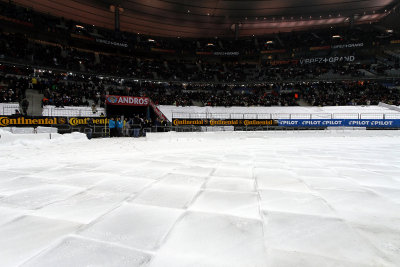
73,66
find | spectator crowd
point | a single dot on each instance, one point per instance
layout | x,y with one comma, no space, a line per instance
69,90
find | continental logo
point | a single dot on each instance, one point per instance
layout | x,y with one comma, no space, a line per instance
45,121
9,121
83,121
205,122
177,122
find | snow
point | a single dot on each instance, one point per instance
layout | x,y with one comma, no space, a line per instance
298,198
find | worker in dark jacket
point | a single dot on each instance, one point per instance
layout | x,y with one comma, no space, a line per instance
119,125
89,128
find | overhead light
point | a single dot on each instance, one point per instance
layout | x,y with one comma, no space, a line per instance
336,36
151,40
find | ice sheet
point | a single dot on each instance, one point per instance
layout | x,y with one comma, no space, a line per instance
38,197
77,251
202,239
26,236
324,236
294,202
230,184
135,226
82,208
229,203
307,198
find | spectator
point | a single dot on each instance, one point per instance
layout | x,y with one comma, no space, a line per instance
94,109
25,105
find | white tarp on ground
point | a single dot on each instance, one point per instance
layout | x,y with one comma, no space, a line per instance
308,198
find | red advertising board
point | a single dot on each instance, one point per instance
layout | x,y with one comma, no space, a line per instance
127,100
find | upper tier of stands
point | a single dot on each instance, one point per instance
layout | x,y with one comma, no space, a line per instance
64,29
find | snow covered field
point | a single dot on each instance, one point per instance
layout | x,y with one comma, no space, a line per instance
309,198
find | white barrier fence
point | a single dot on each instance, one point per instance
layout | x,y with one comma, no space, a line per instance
53,111
286,116
7,109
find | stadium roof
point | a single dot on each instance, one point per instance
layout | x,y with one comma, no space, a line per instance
210,18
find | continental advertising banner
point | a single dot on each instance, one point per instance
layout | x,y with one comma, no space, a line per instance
13,121
127,100
217,122
340,123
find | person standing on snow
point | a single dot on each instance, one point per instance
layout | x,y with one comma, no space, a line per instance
119,126
111,125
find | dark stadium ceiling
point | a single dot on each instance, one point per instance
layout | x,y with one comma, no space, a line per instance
210,18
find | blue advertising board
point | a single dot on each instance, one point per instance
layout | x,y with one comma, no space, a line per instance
341,123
